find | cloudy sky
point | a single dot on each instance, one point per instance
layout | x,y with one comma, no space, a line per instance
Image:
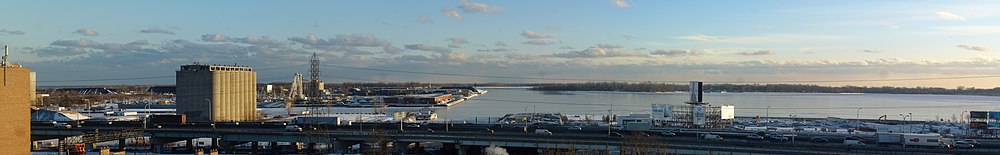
818,42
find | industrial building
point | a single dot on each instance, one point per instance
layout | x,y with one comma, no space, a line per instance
417,99
217,93
694,113
15,112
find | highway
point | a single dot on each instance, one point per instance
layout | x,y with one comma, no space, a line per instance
734,141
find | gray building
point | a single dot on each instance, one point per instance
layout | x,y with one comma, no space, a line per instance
217,93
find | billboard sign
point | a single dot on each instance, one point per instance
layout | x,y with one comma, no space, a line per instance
995,115
728,112
979,114
699,115
993,125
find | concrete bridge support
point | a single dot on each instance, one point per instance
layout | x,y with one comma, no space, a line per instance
122,144
401,147
254,146
274,147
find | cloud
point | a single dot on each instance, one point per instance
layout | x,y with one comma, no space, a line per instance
346,43
621,3
670,53
414,58
454,46
452,13
678,53
218,37
87,32
761,52
424,20
76,43
495,50
533,35
949,16
609,46
58,51
392,50
771,38
601,51
156,30
980,48
871,50
11,32
566,47
499,43
473,7
426,47
457,40
537,42
260,41
311,39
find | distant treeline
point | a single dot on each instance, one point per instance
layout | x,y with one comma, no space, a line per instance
790,88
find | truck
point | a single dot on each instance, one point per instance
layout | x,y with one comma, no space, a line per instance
543,132
317,120
167,119
914,140
854,141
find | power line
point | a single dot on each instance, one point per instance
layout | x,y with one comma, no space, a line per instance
152,77
582,79
789,108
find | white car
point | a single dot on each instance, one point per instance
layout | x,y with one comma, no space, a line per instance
964,145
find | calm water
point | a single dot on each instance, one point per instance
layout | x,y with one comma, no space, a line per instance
500,101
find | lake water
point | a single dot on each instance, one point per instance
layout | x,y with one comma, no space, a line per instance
501,101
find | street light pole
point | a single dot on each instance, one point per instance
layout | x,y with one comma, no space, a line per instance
911,120
767,117
211,111
858,118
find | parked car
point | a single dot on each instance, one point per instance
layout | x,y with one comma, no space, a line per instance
668,133
543,132
970,141
575,128
294,128
755,137
712,137
62,125
778,138
964,145
644,134
615,134
412,125
819,140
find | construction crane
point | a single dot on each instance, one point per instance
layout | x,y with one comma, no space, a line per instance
294,94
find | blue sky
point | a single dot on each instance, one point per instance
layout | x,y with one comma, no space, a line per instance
633,40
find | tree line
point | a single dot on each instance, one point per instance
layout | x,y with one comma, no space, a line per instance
785,88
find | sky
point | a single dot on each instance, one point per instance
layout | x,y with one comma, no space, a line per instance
865,43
